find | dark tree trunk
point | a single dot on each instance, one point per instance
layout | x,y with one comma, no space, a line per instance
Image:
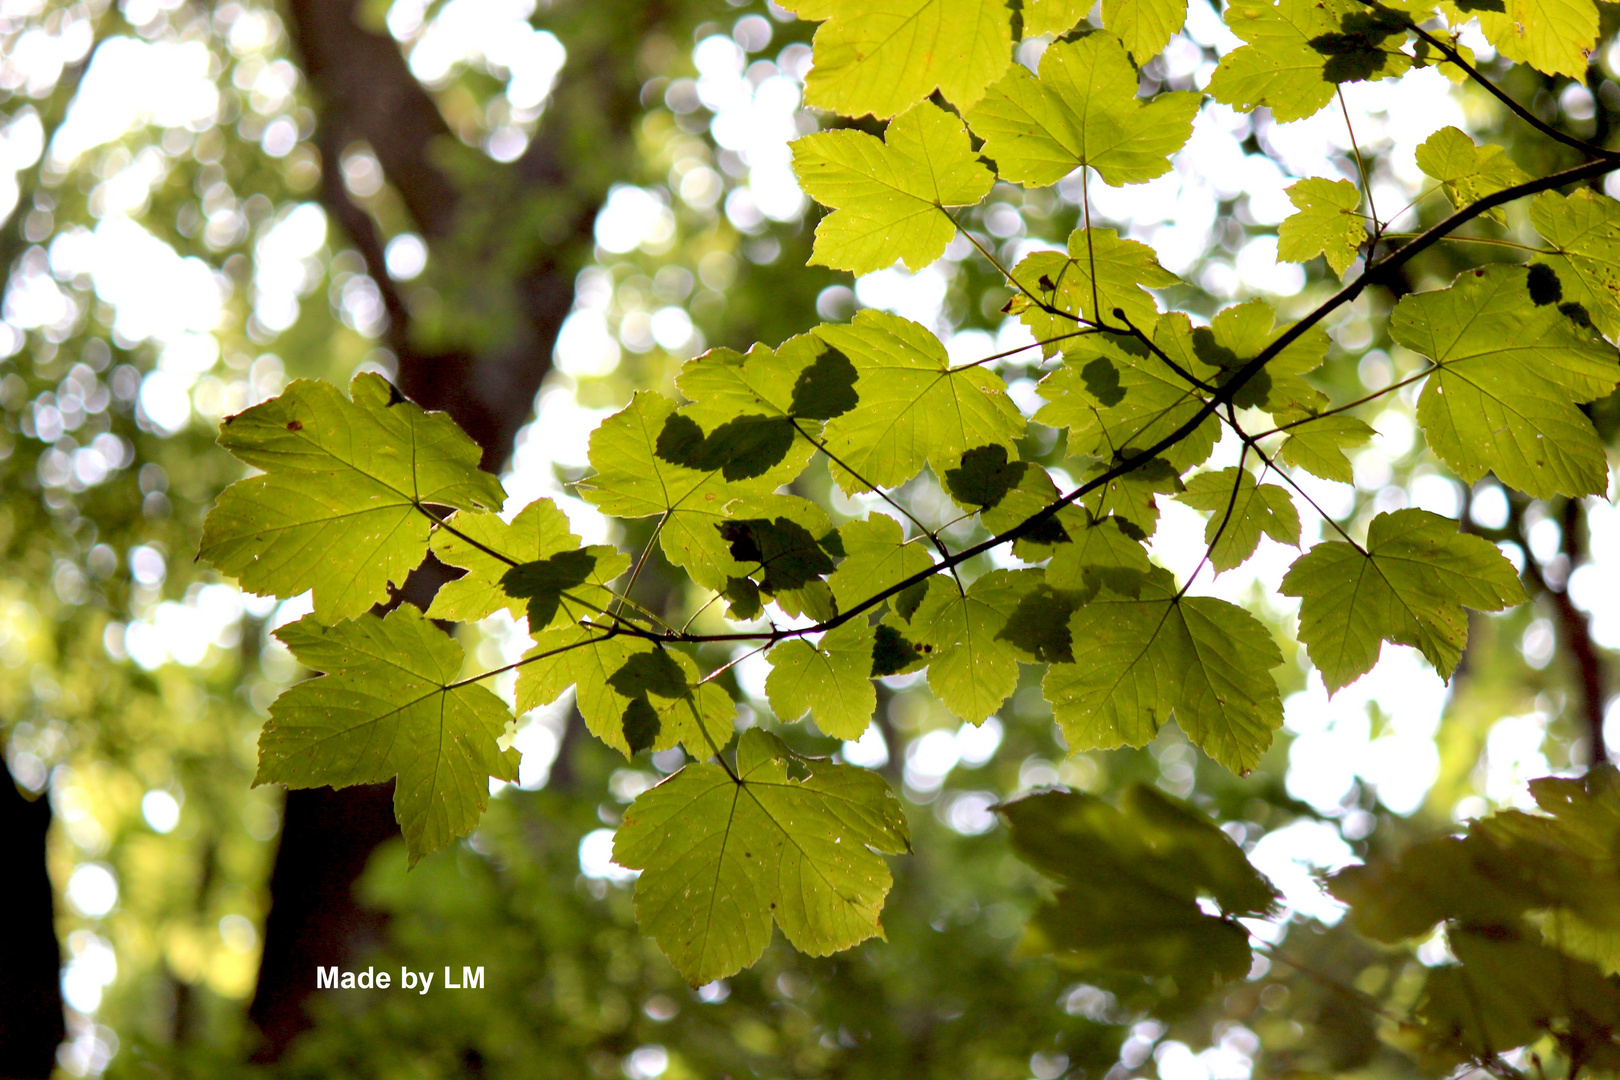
365,92
31,1025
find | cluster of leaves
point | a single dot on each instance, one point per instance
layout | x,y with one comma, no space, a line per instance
356,491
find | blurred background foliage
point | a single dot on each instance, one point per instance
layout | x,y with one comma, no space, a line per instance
523,212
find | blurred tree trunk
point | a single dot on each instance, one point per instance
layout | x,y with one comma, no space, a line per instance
507,255
31,1024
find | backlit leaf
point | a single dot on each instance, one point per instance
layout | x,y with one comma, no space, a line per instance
723,857
1120,271
338,508
1246,509
1327,221
889,195
1408,587
1556,37
1082,110
389,707
1317,444
972,669
830,679
1467,172
1298,52
1144,26
914,408
1141,660
881,58
876,556
1585,228
1510,372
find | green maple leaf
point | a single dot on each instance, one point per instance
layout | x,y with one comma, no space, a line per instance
1140,660
914,408
876,556
1468,173
1033,493
1131,498
1327,222
1585,228
1144,27
633,694
1240,333
1298,52
1317,443
532,567
1117,398
1253,509
889,195
724,855
1083,110
972,667
830,679
1409,586
1556,37
390,707
339,507
1509,374
1102,554
881,58
1130,880
1122,270
645,466
804,380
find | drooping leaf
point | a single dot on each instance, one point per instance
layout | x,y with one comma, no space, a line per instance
1556,37
1298,52
914,408
1585,228
390,707
1144,27
1408,587
1130,880
1327,221
876,556
1317,444
632,453
882,58
339,507
972,668
1101,272
1140,660
724,856
1082,110
888,195
1510,372
830,679
532,567
1467,172
633,694
1245,509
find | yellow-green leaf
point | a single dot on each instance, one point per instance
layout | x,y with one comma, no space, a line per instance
1409,587
1240,510
724,855
1327,222
1083,110
390,707
830,679
338,508
1101,272
1585,228
889,195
